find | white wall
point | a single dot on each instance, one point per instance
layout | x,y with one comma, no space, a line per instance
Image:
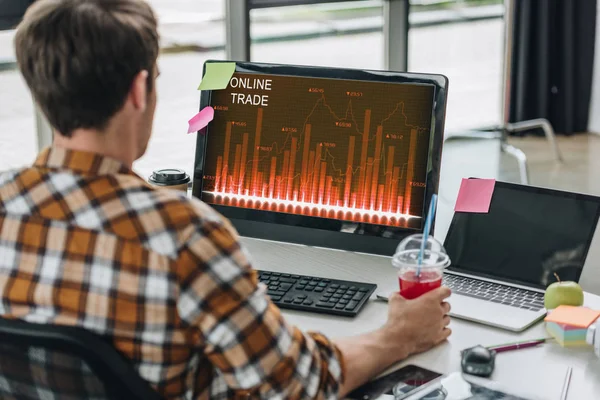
594,122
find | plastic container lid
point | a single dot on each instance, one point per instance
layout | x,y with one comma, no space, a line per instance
169,177
407,252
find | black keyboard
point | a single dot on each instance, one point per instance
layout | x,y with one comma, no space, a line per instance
319,295
495,292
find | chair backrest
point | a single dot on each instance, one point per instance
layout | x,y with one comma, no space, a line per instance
39,361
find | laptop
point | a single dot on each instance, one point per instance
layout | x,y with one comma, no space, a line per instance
503,261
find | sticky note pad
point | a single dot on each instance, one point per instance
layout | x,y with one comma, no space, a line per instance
580,317
566,335
201,119
217,75
475,195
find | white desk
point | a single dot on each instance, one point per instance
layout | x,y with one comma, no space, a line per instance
537,371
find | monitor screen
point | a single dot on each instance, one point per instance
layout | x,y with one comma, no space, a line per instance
343,155
348,150
528,235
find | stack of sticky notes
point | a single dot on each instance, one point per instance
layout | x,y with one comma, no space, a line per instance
568,324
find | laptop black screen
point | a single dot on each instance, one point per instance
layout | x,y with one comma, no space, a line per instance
528,235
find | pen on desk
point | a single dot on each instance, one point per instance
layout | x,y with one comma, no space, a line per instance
381,298
565,389
518,345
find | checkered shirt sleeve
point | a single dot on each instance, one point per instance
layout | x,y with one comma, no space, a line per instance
244,334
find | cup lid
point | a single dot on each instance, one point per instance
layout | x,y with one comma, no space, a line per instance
407,253
169,177
431,259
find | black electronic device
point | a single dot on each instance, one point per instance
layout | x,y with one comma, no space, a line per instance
503,260
529,234
478,360
314,294
332,157
396,385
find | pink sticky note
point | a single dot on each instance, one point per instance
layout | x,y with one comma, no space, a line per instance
475,195
201,119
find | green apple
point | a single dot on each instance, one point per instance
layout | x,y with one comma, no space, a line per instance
563,293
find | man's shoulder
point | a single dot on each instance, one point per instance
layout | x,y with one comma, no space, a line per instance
8,177
166,218
11,190
175,206
9,174
123,205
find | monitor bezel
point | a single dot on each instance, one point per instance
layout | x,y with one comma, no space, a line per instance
319,237
453,229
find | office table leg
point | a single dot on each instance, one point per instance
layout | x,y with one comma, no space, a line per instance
521,158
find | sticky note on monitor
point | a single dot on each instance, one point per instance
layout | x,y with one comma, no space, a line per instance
217,75
475,195
201,119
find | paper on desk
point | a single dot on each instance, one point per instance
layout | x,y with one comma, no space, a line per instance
475,195
456,387
201,119
217,75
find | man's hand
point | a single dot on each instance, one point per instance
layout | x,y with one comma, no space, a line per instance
418,325
413,326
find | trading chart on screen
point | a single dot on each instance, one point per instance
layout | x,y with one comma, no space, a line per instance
332,148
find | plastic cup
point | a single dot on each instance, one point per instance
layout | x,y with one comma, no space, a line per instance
415,280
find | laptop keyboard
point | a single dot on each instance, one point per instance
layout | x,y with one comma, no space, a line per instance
494,292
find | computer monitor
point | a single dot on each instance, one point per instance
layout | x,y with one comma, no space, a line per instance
330,157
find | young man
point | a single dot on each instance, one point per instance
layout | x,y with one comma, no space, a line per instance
86,242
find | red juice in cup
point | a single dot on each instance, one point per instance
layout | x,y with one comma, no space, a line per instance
419,273
412,286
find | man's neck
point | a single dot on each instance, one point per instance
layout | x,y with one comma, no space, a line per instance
93,141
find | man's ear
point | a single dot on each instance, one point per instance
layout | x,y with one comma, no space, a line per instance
139,91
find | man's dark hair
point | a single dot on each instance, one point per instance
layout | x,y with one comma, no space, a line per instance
79,57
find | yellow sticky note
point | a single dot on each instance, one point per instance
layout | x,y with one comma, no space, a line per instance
217,75
580,317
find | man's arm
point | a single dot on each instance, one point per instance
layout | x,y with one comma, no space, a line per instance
248,341
366,356
413,326
242,332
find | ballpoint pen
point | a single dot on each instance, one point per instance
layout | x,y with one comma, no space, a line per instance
565,389
518,345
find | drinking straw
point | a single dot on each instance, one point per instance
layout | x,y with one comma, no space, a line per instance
428,222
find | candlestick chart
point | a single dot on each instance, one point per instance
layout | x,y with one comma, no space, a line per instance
332,148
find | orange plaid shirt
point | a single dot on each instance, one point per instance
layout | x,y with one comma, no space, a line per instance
84,241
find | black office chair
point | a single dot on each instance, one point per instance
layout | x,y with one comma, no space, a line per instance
71,363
